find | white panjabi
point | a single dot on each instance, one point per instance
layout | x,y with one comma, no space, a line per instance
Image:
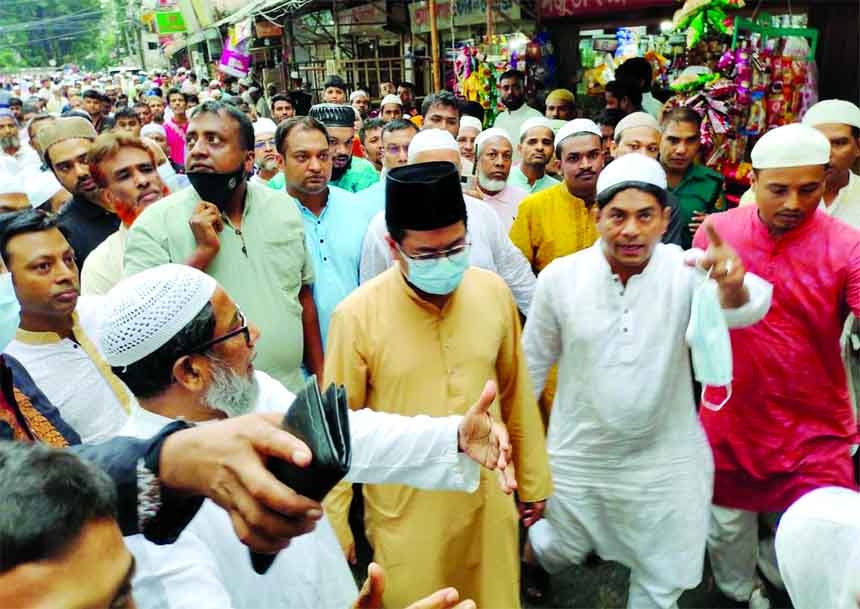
631,168
794,145
577,125
489,134
145,311
832,111
39,185
431,139
11,185
636,119
470,122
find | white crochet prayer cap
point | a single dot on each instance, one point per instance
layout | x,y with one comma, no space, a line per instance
535,121
636,119
631,168
145,311
390,99
577,125
152,128
794,145
470,122
832,111
431,139
264,126
357,94
490,134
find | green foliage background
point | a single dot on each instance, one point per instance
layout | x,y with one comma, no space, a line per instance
81,32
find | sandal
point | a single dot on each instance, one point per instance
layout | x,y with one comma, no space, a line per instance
535,583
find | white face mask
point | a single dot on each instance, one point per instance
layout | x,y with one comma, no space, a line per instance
708,338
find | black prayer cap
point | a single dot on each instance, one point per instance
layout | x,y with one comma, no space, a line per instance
423,196
335,81
333,115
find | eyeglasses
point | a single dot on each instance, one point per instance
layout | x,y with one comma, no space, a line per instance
440,255
242,329
263,144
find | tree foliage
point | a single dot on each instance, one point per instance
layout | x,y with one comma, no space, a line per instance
34,32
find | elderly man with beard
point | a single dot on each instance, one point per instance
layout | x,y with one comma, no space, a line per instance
253,236
88,218
516,111
186,350
267,161
491,248
14,157
349,172
536,150
334,221
495,151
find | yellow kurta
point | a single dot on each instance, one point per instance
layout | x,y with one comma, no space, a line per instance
398,353
550,224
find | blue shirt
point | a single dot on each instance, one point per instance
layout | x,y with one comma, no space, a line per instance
334,241
371,200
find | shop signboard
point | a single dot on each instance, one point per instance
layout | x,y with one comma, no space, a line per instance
169,22
466,12
595,8
266,29
362,18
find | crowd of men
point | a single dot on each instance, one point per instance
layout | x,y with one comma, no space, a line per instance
523,297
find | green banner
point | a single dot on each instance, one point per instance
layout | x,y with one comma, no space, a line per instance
169,22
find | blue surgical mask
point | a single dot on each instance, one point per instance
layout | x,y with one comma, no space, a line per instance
439,276
10,310
708,338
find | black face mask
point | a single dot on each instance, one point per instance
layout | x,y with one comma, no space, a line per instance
216,188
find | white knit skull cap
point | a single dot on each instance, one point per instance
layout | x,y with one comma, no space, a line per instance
470,122
577,125
836,111
793,145
431,139
631,168
145,311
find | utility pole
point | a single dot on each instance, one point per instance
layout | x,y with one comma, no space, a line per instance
436,68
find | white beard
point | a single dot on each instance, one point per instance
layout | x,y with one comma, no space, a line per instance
231,393
490,185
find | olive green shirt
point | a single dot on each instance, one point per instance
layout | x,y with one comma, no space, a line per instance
262,268
700,190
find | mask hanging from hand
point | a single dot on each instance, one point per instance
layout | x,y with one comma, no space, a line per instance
10,310
216,188
709,341
439,276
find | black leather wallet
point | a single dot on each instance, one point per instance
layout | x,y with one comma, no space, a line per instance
321,421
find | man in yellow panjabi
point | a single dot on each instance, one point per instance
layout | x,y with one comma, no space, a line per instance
430,331
557,221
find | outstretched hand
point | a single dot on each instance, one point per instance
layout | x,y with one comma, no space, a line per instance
486,441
